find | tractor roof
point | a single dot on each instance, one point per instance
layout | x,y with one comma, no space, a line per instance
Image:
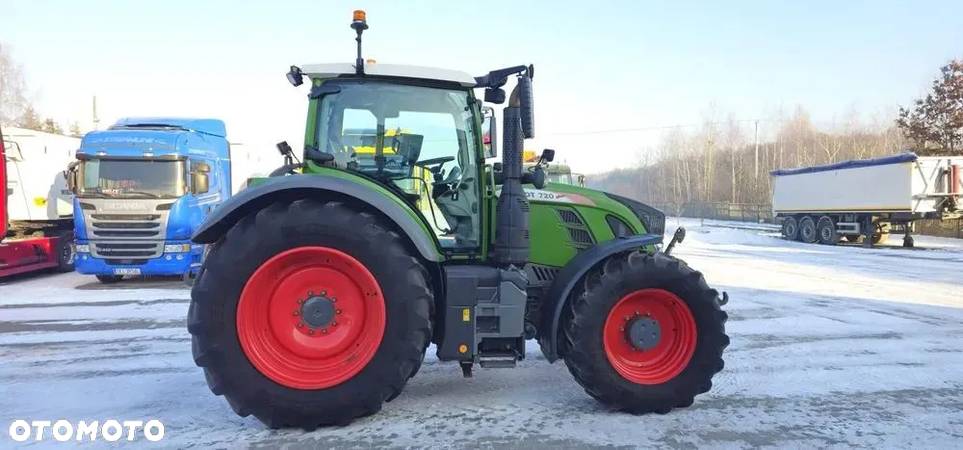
389,70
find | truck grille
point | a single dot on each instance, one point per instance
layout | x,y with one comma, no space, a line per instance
126,225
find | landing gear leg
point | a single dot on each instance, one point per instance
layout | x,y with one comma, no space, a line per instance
908,240
466,369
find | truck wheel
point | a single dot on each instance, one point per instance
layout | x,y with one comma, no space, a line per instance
807,230
66,253
826,230
790,228
109,279
310,313
645,334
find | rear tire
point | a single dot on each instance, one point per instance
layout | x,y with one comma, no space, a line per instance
342,254
826,230
790,228
807,230
677,365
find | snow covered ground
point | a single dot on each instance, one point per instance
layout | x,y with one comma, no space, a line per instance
831,346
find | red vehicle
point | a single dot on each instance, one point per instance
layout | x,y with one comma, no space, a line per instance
25,247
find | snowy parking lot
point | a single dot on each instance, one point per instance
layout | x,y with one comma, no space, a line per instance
831,346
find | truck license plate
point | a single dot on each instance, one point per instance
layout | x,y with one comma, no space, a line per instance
127,271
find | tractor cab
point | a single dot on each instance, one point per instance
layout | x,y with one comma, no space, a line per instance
419,138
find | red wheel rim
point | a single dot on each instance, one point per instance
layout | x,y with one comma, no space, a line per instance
676,339
276,338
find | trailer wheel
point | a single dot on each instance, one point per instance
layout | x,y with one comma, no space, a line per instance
66,253
645,333
827,231
790,228
310,313
807,230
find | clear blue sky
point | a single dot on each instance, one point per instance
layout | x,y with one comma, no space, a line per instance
599,65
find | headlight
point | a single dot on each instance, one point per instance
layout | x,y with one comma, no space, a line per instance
177,248
83,248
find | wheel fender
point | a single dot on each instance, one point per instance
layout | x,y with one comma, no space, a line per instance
556,297
257,197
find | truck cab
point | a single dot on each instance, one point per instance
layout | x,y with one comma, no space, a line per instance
142,188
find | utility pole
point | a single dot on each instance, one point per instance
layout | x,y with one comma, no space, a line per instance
96,120
755,140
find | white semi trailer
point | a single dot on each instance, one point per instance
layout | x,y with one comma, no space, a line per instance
866,200
36,210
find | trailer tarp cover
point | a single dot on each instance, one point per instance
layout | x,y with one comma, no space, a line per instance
885,160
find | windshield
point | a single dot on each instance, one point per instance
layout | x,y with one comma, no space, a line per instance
565,178
132,178
419,140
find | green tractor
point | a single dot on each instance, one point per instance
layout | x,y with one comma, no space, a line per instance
324,285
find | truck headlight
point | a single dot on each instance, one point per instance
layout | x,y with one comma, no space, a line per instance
82,248
177,248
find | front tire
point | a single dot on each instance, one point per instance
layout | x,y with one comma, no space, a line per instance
310,313
645,334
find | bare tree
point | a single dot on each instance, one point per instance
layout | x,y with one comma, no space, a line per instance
13,100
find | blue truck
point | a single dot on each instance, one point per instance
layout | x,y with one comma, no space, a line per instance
141,189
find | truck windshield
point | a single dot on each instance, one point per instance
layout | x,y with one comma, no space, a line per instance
133,178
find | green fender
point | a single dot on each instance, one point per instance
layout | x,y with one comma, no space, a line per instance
556,298
307,186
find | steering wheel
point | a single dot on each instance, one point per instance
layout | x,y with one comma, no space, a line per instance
440,161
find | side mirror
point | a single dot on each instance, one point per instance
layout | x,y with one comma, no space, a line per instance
200,181
489,133
495,95
548,155
295,77
535,177
70,175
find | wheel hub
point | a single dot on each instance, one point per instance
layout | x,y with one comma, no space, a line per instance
643,333
649,336
311,317
318,311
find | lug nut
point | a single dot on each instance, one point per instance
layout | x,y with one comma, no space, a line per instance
311,331
337,311
324,331
295,312
334,324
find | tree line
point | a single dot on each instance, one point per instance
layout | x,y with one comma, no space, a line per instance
730,160
16,106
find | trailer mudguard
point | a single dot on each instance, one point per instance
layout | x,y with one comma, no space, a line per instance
257,197
556,298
